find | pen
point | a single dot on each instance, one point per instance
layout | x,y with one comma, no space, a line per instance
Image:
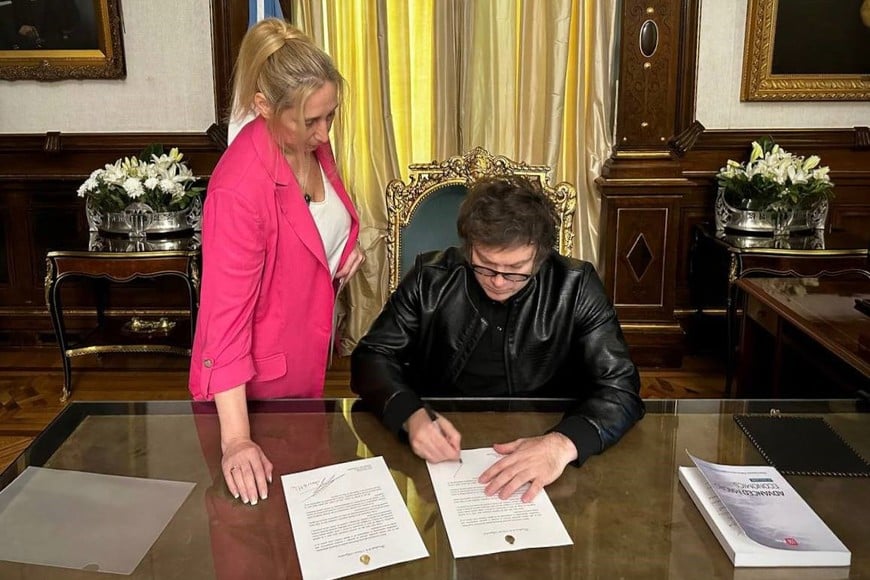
433,417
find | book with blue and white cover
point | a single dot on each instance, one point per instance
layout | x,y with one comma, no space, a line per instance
759,518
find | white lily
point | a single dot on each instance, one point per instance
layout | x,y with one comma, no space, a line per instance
821,174
783,176
797,175
757,152
165,179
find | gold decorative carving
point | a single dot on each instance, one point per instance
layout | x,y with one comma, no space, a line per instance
760,84
148,327
153,348
49,278
194,277
105,61
404,198
732,269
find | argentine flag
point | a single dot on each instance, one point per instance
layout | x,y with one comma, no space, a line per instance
257,11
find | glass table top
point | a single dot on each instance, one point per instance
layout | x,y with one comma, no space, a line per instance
625,510
819,241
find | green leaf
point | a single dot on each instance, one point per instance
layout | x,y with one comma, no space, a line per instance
152,149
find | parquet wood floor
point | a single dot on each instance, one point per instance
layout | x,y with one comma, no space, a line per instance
30,382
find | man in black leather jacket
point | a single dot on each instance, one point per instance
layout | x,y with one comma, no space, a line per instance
504,316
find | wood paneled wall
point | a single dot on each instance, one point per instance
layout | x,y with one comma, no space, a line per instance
660,179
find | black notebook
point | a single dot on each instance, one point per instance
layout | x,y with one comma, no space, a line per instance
802,446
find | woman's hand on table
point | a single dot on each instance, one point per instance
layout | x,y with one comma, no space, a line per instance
247,470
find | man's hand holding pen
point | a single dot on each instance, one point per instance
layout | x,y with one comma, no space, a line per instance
536,461
433,437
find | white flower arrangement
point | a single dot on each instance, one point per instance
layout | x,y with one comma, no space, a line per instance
160,180
774,178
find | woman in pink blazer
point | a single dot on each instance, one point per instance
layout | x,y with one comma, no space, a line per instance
279,240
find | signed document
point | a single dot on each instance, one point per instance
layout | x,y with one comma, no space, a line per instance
477,524
349,518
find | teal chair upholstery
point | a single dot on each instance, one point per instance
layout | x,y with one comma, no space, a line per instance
421,214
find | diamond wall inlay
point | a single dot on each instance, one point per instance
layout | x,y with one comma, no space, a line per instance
639,257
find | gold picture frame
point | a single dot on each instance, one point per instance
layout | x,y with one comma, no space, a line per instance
774,53
90,48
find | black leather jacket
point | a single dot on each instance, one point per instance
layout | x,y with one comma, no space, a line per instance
562,340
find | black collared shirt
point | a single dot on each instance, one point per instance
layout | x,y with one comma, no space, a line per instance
485,374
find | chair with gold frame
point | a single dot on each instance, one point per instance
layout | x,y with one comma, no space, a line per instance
421,214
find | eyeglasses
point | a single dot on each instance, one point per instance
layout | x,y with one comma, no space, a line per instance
509,276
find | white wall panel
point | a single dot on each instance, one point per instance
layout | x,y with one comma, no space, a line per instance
720,60
169,85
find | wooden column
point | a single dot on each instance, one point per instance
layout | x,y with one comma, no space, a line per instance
641,186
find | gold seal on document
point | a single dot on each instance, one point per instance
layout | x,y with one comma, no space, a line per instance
365,559
509,539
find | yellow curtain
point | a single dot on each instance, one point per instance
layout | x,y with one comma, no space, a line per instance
529,79
587,134
352,32
536,87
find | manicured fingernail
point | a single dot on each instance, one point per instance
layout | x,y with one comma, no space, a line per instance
263,495
254,501
236,496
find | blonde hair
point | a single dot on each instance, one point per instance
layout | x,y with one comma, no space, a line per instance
279,61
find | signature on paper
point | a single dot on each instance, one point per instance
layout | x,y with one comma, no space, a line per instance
317,487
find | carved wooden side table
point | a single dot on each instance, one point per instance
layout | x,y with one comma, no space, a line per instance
720,259
121,261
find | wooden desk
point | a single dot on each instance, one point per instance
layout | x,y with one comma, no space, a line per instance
121,260
817,336
625,510
721,258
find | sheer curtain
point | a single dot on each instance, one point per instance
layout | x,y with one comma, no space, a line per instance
528,79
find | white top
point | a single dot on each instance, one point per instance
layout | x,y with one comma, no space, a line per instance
333,223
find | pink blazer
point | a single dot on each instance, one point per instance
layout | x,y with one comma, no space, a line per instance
267,298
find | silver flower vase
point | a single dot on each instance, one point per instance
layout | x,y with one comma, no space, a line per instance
138,216
162,222
780,218
761,221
